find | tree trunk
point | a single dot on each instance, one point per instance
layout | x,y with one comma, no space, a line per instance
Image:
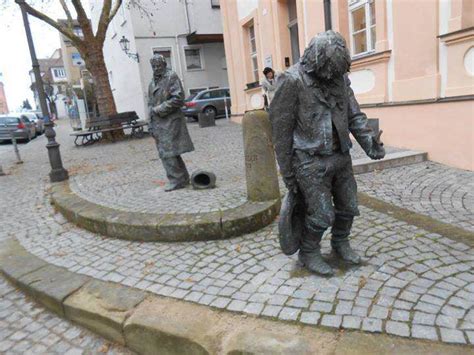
94,59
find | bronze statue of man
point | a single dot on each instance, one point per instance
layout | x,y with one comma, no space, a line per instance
312,114
167,122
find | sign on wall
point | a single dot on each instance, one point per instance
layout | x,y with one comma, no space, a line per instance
77,60
268,62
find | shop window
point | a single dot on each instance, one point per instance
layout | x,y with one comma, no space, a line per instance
362,26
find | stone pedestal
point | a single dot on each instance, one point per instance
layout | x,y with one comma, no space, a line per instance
260,164
207,120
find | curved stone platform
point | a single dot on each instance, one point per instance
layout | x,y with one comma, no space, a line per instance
165,227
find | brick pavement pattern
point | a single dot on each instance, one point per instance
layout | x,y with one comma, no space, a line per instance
432,189
412,283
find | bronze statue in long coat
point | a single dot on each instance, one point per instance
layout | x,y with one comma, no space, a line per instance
167,122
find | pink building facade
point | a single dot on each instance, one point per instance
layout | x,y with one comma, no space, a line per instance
413,63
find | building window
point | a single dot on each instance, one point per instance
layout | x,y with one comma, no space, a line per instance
78,32
193,58
362,26
293,28
253,52
165,52
215,4
59,73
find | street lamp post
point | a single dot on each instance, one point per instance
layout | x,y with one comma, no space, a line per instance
58,173
327,15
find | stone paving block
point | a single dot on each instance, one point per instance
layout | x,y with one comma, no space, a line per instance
424,332
351,322
372,325
397,328
379,312
254,308
446,321
51,285
103,307
321,306
271,311
424,318
452,336
400,315
289,313
310,317
331,321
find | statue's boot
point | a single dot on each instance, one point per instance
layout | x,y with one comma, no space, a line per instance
340,239
310,255
172,187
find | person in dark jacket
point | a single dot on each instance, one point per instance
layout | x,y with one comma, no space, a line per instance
312,113
167,122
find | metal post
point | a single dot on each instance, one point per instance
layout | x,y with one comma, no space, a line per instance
1,171
327,15
58,173
15,148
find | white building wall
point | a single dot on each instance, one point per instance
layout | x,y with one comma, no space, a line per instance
124,72
167,28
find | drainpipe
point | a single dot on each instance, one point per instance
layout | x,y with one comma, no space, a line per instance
327,15
186,14
178,56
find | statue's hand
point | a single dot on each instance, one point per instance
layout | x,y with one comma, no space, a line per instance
377,151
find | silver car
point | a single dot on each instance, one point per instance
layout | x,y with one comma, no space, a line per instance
207,101
18,125
37,118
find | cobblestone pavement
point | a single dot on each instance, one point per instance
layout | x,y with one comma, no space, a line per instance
135,183
28,329
412,284
432,189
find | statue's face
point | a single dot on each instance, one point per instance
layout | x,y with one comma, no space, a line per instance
158,68
327,56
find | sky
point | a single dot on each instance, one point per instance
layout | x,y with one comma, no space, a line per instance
15,60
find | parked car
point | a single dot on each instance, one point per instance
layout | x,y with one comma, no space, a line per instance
17,124
37,118
207,101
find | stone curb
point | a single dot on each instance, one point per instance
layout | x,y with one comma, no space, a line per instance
249,217
149,324
391,160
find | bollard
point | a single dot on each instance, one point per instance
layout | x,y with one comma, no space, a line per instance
260,164
57,173
2,173
207,119
17,152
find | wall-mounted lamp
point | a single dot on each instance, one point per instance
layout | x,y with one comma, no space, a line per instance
125,45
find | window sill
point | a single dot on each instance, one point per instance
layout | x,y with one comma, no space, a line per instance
371,58
194,70
457,36
253,88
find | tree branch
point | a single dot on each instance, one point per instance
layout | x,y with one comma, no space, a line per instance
115,9
77,41
104,20
68,13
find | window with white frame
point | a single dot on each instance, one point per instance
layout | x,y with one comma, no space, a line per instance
58,73
362,26
193,58
165,52
253,52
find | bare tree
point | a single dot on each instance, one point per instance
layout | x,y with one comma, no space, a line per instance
90,45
